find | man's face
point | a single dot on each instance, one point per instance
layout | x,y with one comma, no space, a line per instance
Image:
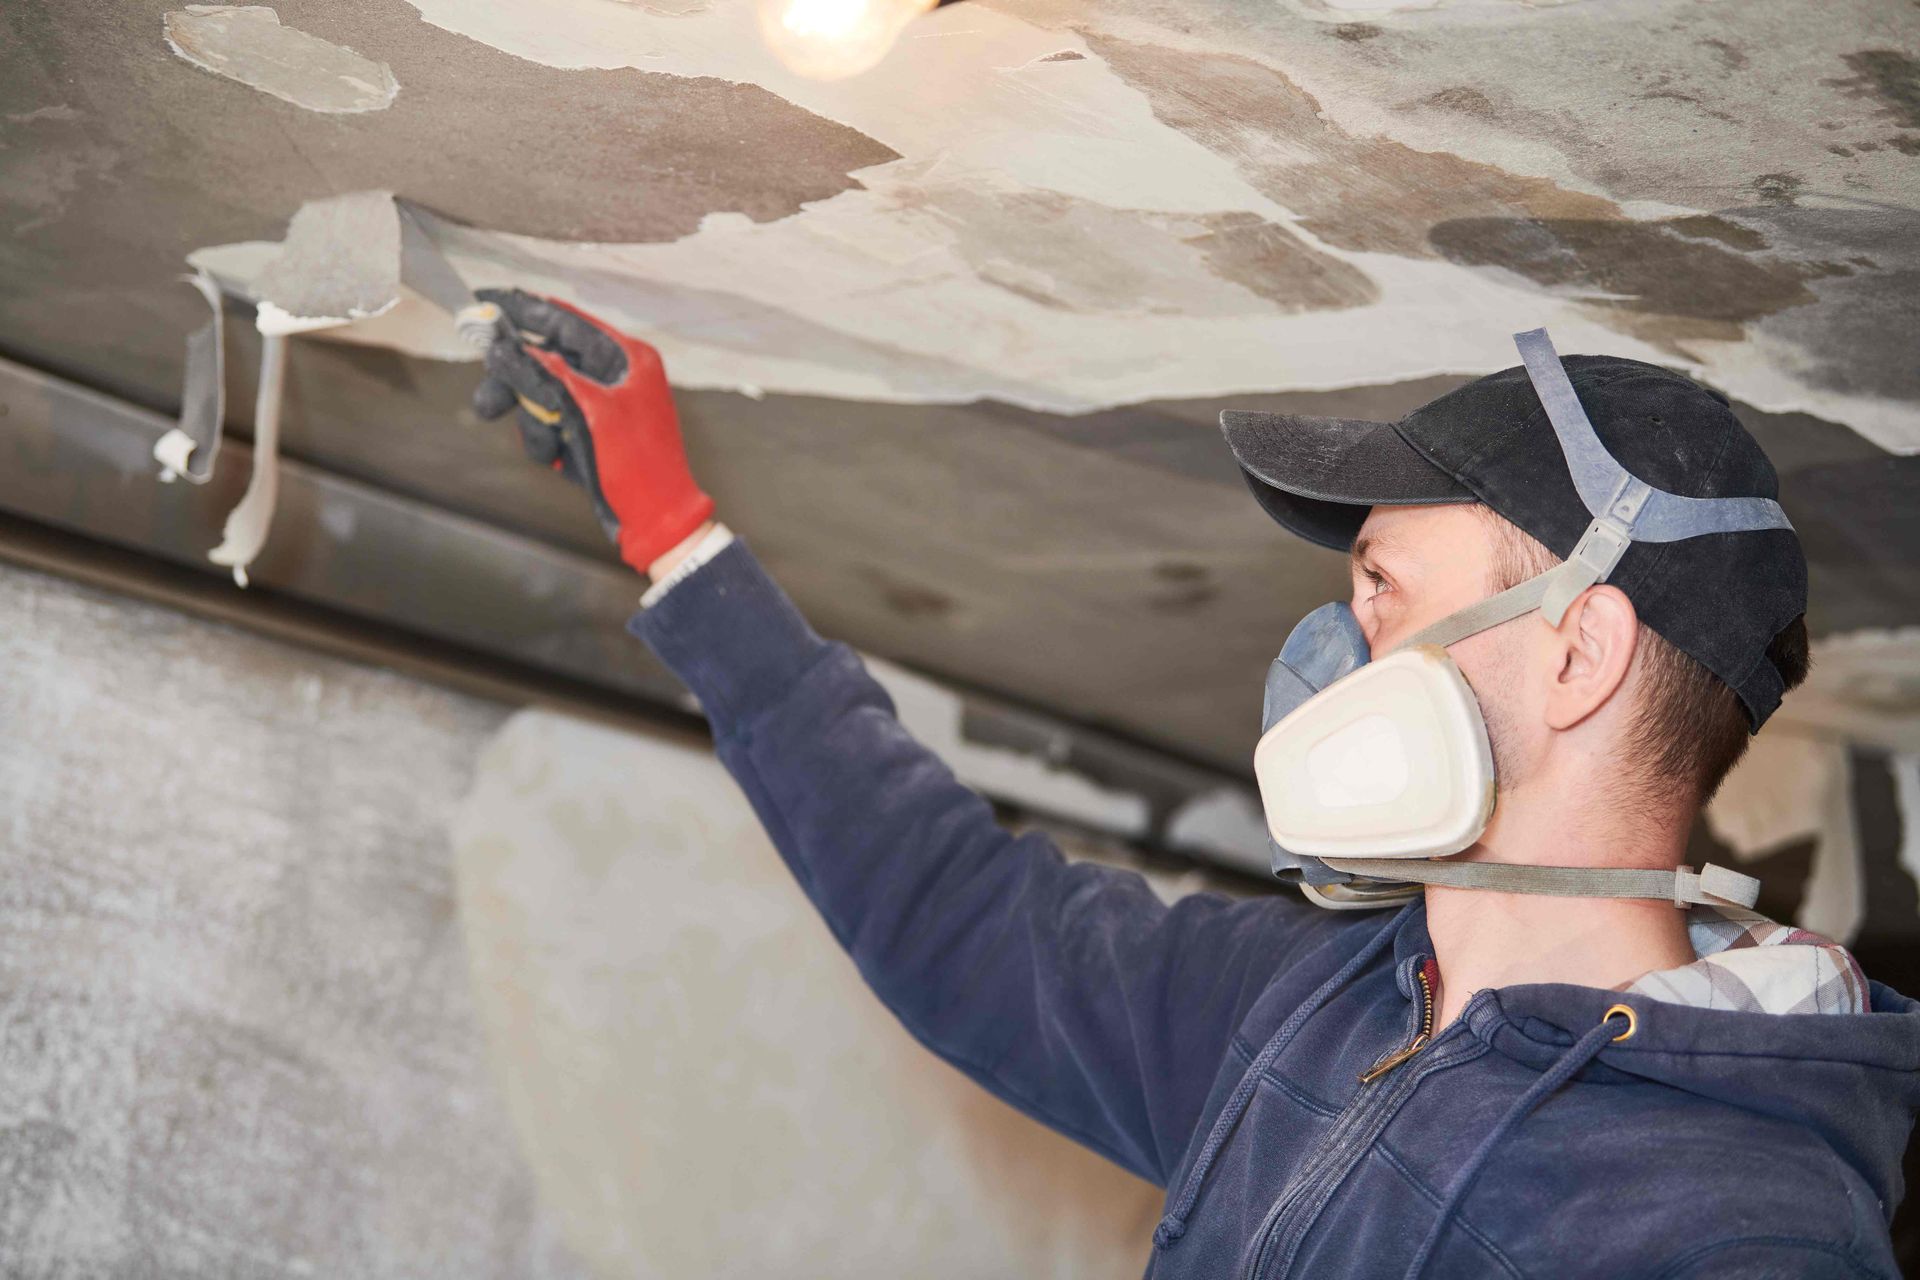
1411,567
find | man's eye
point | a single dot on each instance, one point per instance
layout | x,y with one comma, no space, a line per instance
1379,583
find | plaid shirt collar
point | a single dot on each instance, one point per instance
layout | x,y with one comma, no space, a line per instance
1751,964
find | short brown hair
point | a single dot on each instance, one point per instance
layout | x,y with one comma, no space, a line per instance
1689,727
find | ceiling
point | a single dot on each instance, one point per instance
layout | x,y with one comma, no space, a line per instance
951,337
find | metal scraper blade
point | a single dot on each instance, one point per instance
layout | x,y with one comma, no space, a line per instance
425,270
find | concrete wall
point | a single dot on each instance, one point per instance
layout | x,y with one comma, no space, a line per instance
237,1036
260,1016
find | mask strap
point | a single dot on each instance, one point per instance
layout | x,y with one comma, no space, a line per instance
1491,612
1713,886
1625,508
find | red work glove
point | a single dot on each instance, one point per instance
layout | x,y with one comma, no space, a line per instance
595,406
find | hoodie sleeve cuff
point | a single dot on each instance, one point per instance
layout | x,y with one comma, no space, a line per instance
717,539
731,635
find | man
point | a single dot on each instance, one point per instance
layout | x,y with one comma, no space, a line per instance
1509,1075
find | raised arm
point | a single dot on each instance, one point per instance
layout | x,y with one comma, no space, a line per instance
1069,990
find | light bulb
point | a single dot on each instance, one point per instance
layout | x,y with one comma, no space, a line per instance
834,39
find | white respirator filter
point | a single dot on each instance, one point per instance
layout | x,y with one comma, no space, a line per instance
1391,761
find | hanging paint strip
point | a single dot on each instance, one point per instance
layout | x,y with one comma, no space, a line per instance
246,529
190,448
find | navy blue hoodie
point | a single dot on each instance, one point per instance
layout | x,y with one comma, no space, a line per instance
1249,1055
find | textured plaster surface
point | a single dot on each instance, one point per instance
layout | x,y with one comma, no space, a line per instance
236,1031
702,1082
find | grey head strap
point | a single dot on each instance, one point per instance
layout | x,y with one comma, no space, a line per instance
1625,508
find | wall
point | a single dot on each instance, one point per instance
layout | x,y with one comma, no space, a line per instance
236,1031
257,1017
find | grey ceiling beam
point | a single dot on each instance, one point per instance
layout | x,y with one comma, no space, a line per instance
500,613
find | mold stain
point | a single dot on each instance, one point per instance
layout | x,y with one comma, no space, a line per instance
1358,194
1730,57
1181,587
1272,262
1777,188
1698,273
1069,254
906,599
1888,75
1463,99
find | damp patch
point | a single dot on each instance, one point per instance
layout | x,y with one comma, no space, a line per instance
248,44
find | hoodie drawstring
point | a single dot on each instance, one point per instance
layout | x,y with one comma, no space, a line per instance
1564,1068
1174,1225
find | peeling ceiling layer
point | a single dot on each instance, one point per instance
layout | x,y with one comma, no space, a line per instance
248,44
1092,205
951,337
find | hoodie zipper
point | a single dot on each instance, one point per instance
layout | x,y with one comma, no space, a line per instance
1335,1158
1420,1041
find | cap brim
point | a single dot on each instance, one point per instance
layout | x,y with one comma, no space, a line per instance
1317,477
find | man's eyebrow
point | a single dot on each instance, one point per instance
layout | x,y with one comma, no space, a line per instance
1368,544
1383,546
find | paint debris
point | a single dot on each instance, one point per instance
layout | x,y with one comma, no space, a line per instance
340,269
339,263
248,44
339,274
190,448
247,525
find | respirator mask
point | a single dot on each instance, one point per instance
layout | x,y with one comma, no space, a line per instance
1371,771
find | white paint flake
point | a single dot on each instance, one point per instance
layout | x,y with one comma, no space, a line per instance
248,44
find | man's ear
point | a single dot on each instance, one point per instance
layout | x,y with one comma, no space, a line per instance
1596,642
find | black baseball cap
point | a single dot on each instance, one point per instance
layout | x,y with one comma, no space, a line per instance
1719,597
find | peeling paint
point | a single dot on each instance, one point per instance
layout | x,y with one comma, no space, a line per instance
1155,218
1356,193
339,262
248,44
1651,267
